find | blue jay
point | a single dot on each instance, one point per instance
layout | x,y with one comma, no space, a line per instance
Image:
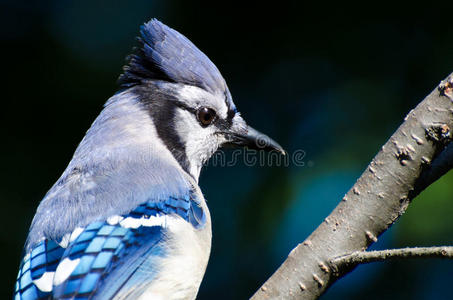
127,219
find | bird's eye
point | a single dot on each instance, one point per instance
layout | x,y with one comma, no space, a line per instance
206,115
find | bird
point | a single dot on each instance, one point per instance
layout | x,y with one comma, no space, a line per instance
127,218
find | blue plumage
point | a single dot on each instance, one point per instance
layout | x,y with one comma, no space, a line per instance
165,54
43,258
104,247
127,219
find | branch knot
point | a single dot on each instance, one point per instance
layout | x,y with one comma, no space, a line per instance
446,87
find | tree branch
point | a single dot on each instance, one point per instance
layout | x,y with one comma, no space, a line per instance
441,165
349,261
411,160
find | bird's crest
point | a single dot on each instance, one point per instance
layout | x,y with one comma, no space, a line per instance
165,54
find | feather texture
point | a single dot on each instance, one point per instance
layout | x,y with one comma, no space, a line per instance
165,54
114,251
126,219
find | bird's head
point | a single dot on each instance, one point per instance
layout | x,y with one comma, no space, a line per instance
187,98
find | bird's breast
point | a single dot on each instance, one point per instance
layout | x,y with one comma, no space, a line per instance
182,268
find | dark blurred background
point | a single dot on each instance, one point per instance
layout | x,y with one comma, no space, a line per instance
331,80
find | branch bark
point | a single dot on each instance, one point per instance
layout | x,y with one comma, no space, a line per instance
349,261
404,166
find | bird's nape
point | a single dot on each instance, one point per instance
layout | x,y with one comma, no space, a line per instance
127,219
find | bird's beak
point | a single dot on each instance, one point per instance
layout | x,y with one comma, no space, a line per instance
252,139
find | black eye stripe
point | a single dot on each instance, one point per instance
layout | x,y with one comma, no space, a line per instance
221,123
230,115
197,111
161,108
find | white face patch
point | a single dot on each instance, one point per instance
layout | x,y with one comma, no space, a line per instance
64,270
196,97
200,143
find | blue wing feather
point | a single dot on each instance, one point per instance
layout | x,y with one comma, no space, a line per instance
127,277
43,258
112,257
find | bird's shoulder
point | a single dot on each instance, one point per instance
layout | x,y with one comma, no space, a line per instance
85,258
